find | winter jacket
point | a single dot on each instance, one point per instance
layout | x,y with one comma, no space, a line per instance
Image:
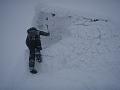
33,38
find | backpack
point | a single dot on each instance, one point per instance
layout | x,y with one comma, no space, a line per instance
34,35
33,39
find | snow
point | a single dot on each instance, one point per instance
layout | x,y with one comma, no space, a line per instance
80,53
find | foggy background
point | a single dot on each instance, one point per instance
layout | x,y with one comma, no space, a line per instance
88,58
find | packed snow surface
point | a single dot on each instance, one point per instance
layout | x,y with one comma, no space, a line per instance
81,53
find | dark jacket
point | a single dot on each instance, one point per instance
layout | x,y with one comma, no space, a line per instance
33,38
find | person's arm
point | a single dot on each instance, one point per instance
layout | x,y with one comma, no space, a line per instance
44,33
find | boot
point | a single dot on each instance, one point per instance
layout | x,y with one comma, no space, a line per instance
32,70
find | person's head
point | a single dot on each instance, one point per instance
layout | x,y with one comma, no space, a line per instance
32,29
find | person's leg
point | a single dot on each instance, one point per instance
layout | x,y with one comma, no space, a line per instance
32,61
38,55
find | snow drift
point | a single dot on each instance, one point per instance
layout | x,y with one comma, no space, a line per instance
82,52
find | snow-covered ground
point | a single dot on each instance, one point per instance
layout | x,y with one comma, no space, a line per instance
82,52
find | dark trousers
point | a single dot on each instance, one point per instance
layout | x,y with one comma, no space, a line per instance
34,55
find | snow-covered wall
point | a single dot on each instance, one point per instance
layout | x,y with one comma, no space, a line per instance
84,52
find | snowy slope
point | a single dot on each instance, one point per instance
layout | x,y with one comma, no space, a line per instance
84,55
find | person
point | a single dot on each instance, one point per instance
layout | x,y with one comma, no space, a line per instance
33,42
